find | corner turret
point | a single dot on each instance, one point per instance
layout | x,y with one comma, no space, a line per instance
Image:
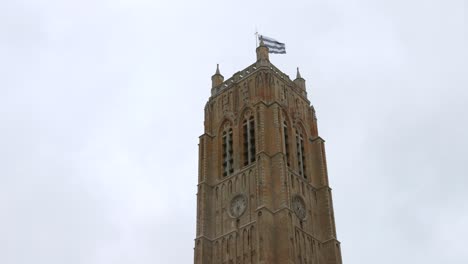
262,54
217,78
299,81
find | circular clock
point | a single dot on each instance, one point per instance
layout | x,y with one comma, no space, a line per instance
299,207
238,205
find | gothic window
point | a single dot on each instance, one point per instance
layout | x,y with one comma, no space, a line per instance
248,136
300,154
286,140
228,161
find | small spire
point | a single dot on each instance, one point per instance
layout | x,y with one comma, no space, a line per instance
299,81
298,75
217,78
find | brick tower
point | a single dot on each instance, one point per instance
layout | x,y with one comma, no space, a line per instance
263,193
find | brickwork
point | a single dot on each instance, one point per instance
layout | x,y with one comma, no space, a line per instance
266,211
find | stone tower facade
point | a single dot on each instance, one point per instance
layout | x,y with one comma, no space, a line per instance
263,193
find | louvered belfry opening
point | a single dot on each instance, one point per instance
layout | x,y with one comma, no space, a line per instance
248,140
286,141
228,167
301,164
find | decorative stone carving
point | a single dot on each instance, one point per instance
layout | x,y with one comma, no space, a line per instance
225,102
245,93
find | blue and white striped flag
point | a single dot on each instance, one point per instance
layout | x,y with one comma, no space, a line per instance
273,45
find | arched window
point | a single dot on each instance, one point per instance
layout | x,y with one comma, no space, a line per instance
300,154
228,162
248,137
286,140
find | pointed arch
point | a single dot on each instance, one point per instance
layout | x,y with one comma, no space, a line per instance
216,252
253,244
228,246
227,121
236,184
223,192
298,247
245,241
252,234
300,127
222,251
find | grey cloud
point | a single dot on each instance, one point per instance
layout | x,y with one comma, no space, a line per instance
97,165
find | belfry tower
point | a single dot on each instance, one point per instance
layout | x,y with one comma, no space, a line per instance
263,193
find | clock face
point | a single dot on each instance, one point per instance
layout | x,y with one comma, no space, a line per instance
299,207
238,205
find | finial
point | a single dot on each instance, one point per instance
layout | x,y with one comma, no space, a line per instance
217,78
261,41
299,81
298,75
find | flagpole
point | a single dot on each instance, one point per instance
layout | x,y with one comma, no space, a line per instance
256,38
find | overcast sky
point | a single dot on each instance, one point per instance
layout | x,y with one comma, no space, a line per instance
101,106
